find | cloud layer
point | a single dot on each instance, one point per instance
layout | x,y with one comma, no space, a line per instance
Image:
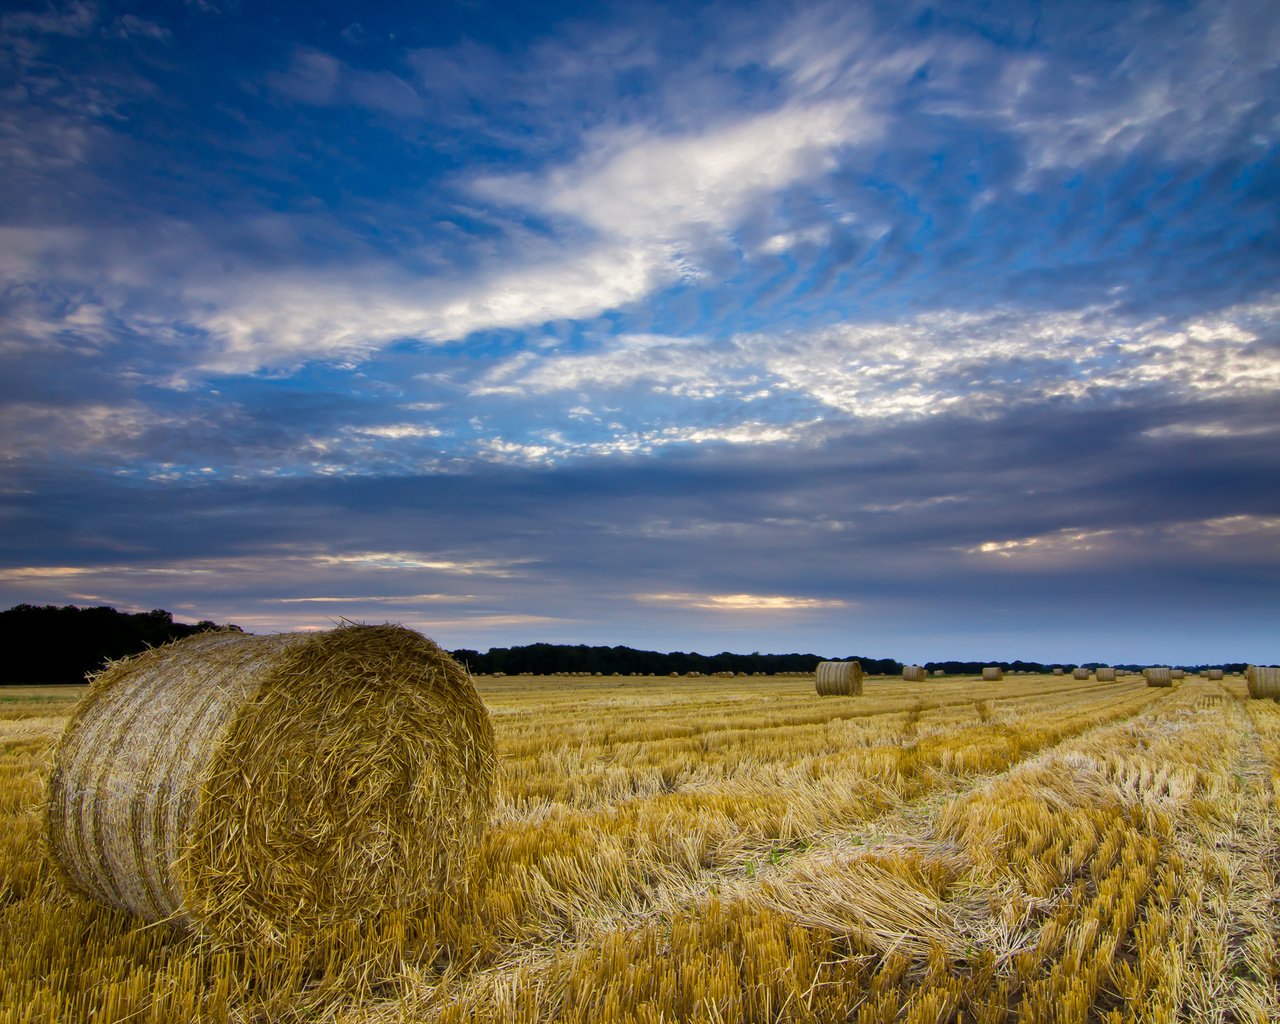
827,326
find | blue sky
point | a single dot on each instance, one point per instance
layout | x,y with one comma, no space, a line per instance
907,330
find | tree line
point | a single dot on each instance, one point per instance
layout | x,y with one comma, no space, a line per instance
48,644
555,659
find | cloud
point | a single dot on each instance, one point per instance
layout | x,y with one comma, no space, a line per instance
1228,536
638,184
74,19
130,26
380,599
1183,86
647,199
400,561
319,79
807,386
744,602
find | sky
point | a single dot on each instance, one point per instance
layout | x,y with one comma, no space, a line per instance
907,330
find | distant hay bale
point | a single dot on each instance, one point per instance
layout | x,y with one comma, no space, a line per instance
1059,672
938,672
1178,673
1105,675
838,679
1263,681
1213,673
993,672
1158,676
262,790
913,673
1080,673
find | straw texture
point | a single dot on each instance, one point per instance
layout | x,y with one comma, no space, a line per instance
1263,680
1158,676
1080,673
838,679
1213,673
993,672
913,673
1104,675
262,789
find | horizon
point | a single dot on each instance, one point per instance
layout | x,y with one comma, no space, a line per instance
925,329
863,655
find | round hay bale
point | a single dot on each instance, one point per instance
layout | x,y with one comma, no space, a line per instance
1104,674
1213,673
265,790
1158,676
913,673
1080,673
1263,680
938,672
838,679
1059,672
1177,673
993,672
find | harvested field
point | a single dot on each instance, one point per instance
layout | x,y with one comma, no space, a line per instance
1030,849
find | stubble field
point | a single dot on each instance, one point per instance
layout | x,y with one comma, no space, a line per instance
1034,849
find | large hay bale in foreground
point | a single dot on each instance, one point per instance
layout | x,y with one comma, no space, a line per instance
838,679
1263,680
993,672
913,673
1104,674
1158,676
1213,673
263,790
1080,673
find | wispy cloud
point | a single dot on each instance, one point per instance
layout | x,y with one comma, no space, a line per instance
400,561
381,599
744,602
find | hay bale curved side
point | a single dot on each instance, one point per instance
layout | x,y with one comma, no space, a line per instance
1158,676
257,788
993,672
838,679
1080,673
1213,673
1104,675
913,673
1263,681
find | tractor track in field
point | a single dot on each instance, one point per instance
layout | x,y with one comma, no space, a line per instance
906,824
